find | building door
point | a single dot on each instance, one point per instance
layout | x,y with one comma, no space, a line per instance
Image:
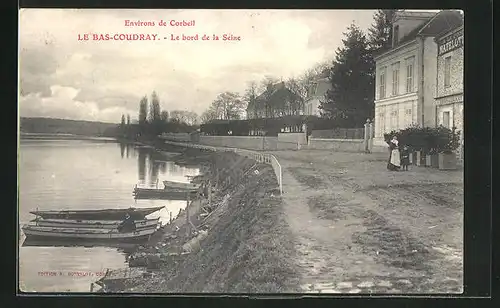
446,119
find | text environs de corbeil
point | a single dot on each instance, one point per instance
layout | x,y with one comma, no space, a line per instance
161,23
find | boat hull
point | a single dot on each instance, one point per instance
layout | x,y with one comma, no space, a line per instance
107,214
164,194
91,224
36,232
178,185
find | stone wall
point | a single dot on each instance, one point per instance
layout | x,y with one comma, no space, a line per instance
338,145
242,142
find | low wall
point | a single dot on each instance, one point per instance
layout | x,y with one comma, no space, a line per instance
340,145
242,142
292,138
176,136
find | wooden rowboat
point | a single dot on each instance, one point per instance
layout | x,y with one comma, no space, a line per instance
88,234
105,214
164,194
180,185
91,224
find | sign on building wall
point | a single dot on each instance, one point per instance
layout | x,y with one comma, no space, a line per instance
451,42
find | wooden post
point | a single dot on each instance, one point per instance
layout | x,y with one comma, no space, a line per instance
170,217
209,193
188,222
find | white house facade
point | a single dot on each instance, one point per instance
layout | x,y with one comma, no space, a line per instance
406,74
316,95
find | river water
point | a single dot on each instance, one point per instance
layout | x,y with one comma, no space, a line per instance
83,174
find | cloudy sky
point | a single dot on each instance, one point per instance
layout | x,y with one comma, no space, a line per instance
63,77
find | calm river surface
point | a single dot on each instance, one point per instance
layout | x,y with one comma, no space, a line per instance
83,174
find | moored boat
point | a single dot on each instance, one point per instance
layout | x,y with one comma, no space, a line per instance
180,185
91,224
164,193
32,231
104,214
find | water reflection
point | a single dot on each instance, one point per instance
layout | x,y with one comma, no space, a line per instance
125,248
142,165
122,149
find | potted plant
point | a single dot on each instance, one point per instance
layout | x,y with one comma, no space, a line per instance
432,158
449,143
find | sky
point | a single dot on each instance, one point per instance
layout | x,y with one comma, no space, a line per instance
64,77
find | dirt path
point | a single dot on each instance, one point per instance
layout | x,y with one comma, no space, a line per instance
362,229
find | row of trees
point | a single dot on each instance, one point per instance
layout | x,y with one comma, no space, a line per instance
233,105
351,73
153,121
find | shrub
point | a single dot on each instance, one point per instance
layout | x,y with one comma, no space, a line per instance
428,140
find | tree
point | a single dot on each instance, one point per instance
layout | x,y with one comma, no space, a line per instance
228,106
250,99
304,81
122,124
164,116
128,119
154,111
208,115
143,111
191,118
350,100
380,32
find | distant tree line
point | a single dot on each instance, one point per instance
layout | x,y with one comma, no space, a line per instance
152,121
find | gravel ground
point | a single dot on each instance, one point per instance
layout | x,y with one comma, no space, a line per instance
359,228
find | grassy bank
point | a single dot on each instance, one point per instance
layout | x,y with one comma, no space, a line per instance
248,247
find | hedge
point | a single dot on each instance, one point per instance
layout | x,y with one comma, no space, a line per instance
428,140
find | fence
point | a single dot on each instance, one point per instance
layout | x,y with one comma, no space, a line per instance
264,158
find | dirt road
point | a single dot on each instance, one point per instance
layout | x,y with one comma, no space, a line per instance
359,228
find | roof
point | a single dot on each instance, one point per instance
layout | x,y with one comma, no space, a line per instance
446,33
442,22
275,88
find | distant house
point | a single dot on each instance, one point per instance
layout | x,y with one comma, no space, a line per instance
406,74
316,94
276,101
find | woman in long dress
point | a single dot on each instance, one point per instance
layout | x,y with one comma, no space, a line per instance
394,162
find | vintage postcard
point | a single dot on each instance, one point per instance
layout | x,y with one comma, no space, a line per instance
241,151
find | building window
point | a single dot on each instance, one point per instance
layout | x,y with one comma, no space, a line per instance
382,84
447,71
446,119
409,120
381,119
395,35
394,120
409,75
395,78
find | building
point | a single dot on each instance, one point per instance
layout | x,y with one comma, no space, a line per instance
275,102
450,82
450,79
406,74
316,94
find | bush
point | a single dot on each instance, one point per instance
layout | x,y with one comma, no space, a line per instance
428,140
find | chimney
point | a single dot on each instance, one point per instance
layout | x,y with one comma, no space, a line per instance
405,22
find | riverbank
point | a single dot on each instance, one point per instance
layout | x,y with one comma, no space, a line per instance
241,241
